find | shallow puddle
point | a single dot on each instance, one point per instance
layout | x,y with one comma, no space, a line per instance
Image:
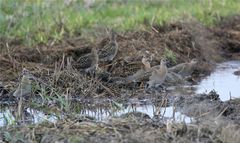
31,116
223,81
150,110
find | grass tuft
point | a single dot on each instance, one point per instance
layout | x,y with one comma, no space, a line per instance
39,21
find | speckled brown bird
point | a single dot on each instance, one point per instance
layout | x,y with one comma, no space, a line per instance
109,51
143,73
25,85
88,62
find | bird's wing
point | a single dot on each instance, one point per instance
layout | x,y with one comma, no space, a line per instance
154,75
177,68
85,61
135,77
108,50
139,76
182,70
104,51
188,69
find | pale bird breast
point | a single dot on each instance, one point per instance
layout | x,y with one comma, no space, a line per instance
147,66
25,80
26,85
162,72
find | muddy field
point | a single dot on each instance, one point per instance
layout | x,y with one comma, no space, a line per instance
61,89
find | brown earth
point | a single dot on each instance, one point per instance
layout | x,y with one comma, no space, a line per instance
187,40
228,34
138,127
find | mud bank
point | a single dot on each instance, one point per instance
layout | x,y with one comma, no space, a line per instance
214,121
62,90
185,40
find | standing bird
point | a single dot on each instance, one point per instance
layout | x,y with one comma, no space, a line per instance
109,51
184,69
25,86
88,62
158,75
143,73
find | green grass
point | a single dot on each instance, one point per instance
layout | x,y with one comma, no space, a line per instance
38,21
169,54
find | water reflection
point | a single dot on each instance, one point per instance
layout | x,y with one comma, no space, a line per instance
28,116
32,116
223,81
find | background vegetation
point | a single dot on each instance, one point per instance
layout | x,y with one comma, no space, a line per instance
37,21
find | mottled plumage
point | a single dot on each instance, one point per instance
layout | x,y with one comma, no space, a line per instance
88,62
184,69
173,78
146,63
143,73
109,51
25,85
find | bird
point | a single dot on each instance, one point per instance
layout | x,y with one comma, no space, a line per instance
25,86
173,78
89,62
146,63
184,69
158,76
109,51
143,73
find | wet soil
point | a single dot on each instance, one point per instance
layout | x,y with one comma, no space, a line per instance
214,121
227,32
53,65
